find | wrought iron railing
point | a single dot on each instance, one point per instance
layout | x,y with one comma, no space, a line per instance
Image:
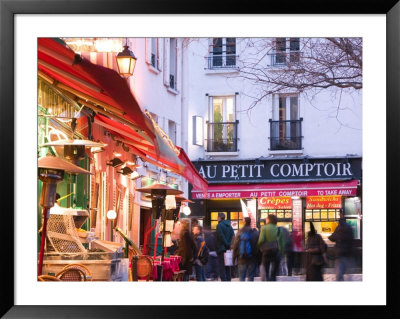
220,61
222,137
286,135
285,57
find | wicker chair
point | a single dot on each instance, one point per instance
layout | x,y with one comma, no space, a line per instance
71,274
86,270
47,278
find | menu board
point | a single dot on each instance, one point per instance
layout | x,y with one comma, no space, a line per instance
296,212
318,202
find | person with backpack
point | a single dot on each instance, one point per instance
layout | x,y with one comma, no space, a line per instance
225,235
245,251
201,253
271,243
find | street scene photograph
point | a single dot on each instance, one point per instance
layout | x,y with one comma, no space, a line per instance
199,159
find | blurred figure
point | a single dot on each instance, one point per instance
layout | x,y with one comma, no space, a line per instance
270,233
343,237
315,249
297,249
198,266
245,251
225,235
288,250
186,249
212,265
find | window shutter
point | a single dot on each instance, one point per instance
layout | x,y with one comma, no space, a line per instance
148,50
159,52
178,62
166,61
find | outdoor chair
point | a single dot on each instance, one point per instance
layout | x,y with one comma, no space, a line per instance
48,278
86,270
71,274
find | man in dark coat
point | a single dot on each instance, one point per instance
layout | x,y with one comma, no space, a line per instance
343,237
225,235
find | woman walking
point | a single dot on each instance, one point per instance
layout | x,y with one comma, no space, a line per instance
186,249
315,249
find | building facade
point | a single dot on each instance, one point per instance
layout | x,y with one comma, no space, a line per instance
156,85
294,154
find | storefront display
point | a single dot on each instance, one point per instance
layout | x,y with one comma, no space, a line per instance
297,191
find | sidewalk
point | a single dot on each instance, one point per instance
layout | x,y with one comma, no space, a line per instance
327,277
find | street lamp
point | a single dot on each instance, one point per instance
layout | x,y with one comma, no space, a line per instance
111,215
126,61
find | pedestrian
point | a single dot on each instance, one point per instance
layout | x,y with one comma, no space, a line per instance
200,247
186,249
245,251
225,236
343,237
288,250
212,264
315,255
271,242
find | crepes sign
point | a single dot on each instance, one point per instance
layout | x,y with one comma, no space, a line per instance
275,203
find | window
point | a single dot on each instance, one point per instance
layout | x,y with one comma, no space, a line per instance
172,131
154,53
222,53
236,219
172,63
287,51
284,217
286,126
222,128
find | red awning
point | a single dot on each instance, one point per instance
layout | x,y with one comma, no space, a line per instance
103,84
83,78
344,188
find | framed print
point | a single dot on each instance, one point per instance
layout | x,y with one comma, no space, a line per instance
36,39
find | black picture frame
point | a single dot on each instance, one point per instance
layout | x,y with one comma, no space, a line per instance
8,10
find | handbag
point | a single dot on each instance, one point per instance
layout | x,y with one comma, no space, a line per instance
317,260
271,247
228,258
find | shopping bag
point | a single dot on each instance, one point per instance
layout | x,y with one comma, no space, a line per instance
228,258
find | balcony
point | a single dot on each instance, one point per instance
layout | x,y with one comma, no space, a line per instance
222,137
285,58
222,61
285,135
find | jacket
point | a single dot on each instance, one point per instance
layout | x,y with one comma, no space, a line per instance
209,237
253,242
225,235
269,232
198,240
186,248
343,237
